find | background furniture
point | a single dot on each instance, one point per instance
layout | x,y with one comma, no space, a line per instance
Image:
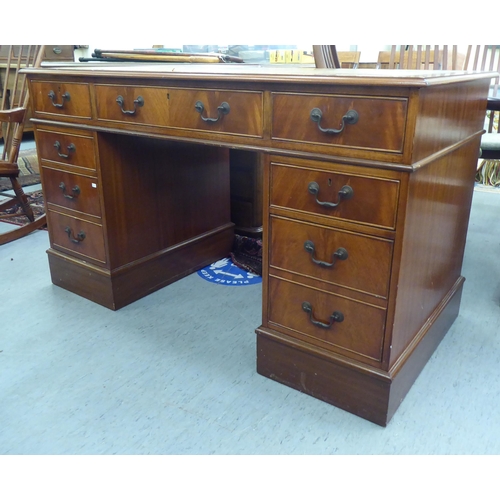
22,53
487,58
446,57
13,107
421,57
325,56
368,183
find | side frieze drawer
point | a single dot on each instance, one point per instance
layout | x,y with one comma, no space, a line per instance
61,98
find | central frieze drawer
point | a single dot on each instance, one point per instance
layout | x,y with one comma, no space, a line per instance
327,320
70,149
380,122
342,258
219,111
61,98
76,192
228,112
371,200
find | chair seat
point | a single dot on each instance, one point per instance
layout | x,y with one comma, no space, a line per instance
490,141
8,169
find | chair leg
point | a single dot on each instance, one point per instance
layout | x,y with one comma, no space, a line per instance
18,190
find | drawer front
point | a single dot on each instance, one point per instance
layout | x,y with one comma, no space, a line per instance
71,149
60,98
76,192
142,105
76,236
296,308
373,201
380,124
59,53
342,258
240,112
193,109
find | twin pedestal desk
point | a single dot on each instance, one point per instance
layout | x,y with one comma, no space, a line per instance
368,181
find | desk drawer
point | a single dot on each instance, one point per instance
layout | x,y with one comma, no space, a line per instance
60,98
380,125
342,258
373,201
59,53
140,105
70,149
85,239
76,192
295,308
240,112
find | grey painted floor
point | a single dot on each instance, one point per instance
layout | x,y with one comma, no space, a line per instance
174,373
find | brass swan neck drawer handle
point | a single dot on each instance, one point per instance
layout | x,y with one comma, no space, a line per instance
64,97
339,254
222,110
71,149
79,237
336,316
75,190
138,103
350,118
345,193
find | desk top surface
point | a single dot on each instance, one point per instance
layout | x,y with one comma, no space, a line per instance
260,73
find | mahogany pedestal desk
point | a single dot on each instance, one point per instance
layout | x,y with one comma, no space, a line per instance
368,181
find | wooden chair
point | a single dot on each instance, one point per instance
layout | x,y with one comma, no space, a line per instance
349,58
441,57
14,103
326,56
487,58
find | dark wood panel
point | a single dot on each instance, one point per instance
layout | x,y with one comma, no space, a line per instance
158,194
246,192
303,369
448,115
433,241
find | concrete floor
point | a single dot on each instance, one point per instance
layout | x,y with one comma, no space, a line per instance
174,373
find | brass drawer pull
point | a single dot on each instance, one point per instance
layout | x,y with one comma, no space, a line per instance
64,97
336,317
345,193
222,110
79,237
75,190
350,118
71,149
339,254
138,103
